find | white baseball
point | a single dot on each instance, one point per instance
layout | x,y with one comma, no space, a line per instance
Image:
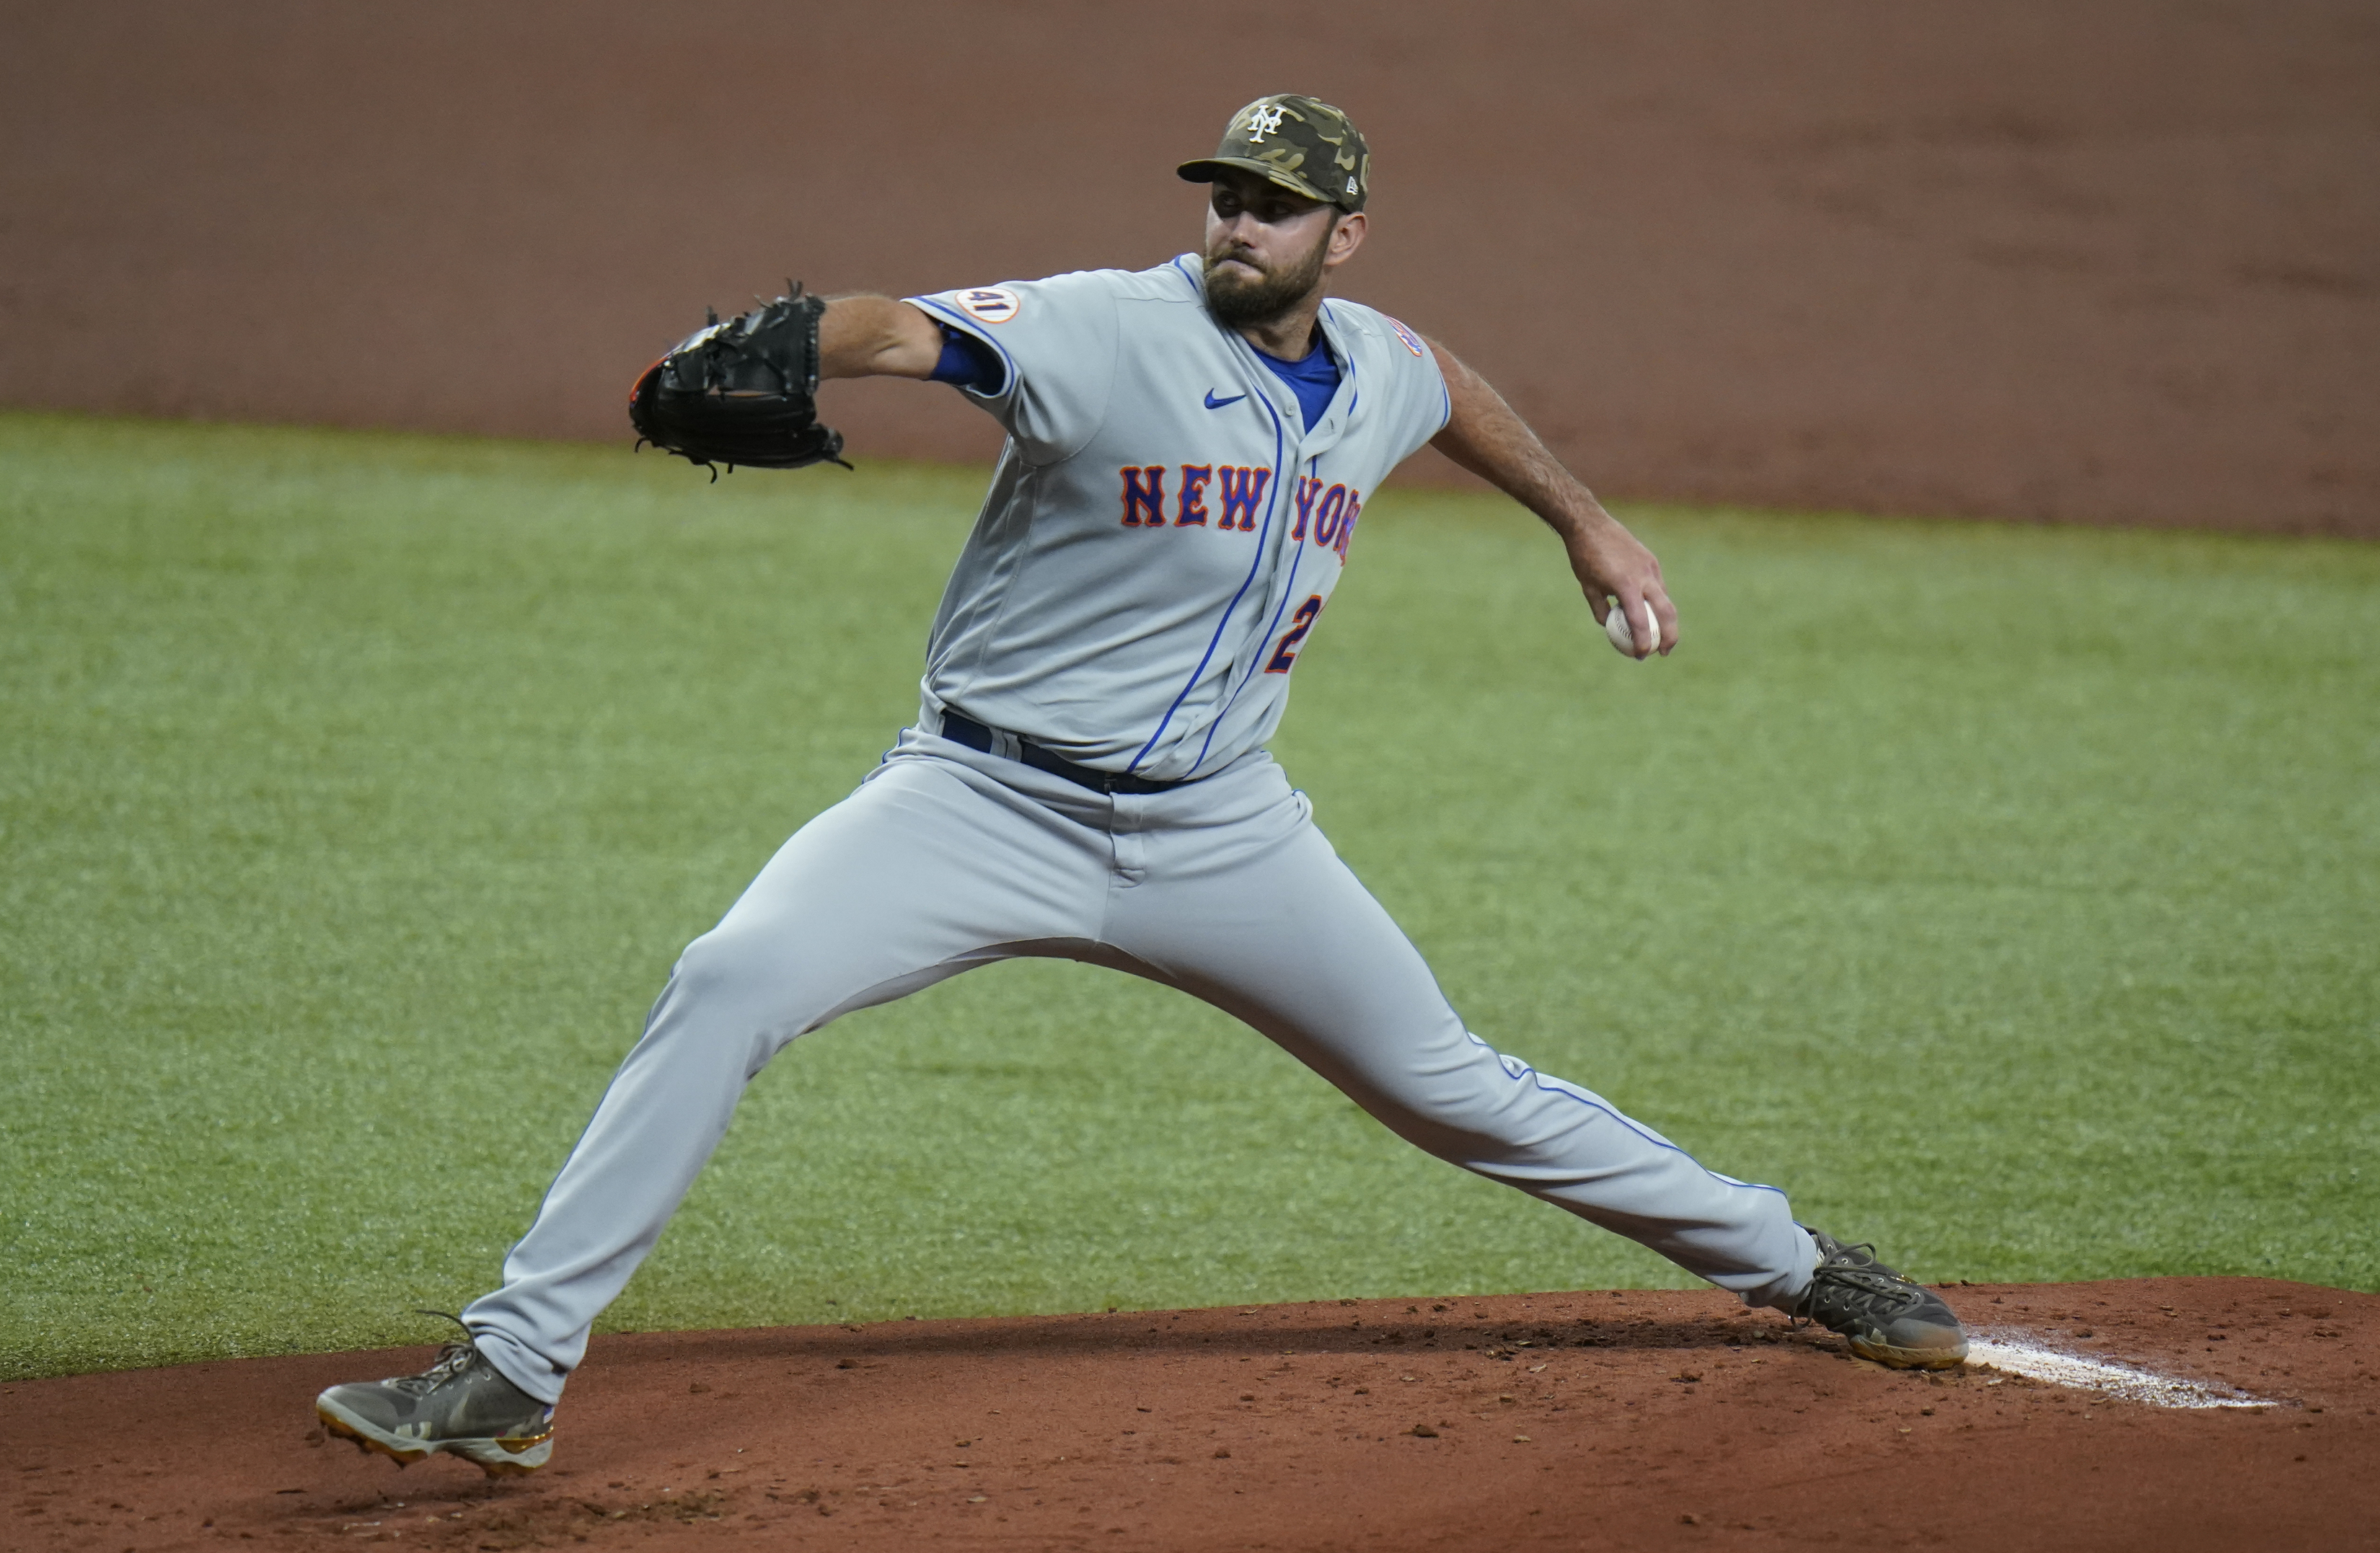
1615,625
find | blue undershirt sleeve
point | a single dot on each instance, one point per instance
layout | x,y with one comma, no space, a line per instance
967,362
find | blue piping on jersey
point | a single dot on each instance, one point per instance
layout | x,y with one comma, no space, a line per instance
1289,591
973,329
1556,1087
1355,389
1256,664
1255,563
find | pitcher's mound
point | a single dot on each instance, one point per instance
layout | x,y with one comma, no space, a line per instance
1633,1419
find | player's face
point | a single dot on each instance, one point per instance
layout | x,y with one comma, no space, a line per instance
1268,248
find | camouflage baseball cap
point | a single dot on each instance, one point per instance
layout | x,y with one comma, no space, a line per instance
1307,147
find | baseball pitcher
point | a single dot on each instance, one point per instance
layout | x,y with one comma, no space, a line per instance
1190,449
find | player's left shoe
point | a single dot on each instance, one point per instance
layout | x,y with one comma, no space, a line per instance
462,1405
1891,1319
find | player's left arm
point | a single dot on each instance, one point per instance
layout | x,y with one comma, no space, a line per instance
1483,435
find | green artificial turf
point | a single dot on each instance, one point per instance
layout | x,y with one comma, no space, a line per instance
2007,894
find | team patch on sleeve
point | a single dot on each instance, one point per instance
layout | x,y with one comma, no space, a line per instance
1412,340
992,304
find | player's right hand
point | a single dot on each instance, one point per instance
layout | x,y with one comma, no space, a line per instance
1616,571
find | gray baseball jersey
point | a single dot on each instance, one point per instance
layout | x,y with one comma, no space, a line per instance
1163,530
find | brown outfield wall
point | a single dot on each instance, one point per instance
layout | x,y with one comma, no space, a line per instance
2069,260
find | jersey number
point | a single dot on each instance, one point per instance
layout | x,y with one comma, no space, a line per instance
1285,652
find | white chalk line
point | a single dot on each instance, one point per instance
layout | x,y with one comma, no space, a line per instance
2003,1348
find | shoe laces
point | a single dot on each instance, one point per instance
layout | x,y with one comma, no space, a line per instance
1858,1281
453,1360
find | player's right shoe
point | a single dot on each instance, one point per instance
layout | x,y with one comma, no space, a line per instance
462,1405
1891,1319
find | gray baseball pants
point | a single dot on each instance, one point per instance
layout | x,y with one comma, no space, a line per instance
946,859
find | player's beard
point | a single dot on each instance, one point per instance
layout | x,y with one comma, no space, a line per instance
1250,304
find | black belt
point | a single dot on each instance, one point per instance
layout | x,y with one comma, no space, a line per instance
959,728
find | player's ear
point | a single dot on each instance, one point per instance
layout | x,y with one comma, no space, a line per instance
1346,236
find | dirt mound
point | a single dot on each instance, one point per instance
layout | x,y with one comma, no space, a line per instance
2112,262
1636,1418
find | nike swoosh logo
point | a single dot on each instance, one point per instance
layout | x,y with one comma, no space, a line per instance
1215,403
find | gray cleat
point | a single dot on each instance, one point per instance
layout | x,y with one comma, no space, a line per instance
461,1405
1888,1318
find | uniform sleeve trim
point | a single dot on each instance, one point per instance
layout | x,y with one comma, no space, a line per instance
959,319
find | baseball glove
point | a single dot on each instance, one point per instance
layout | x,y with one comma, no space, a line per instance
742,392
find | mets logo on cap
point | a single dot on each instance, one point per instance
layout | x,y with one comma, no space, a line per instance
990,303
